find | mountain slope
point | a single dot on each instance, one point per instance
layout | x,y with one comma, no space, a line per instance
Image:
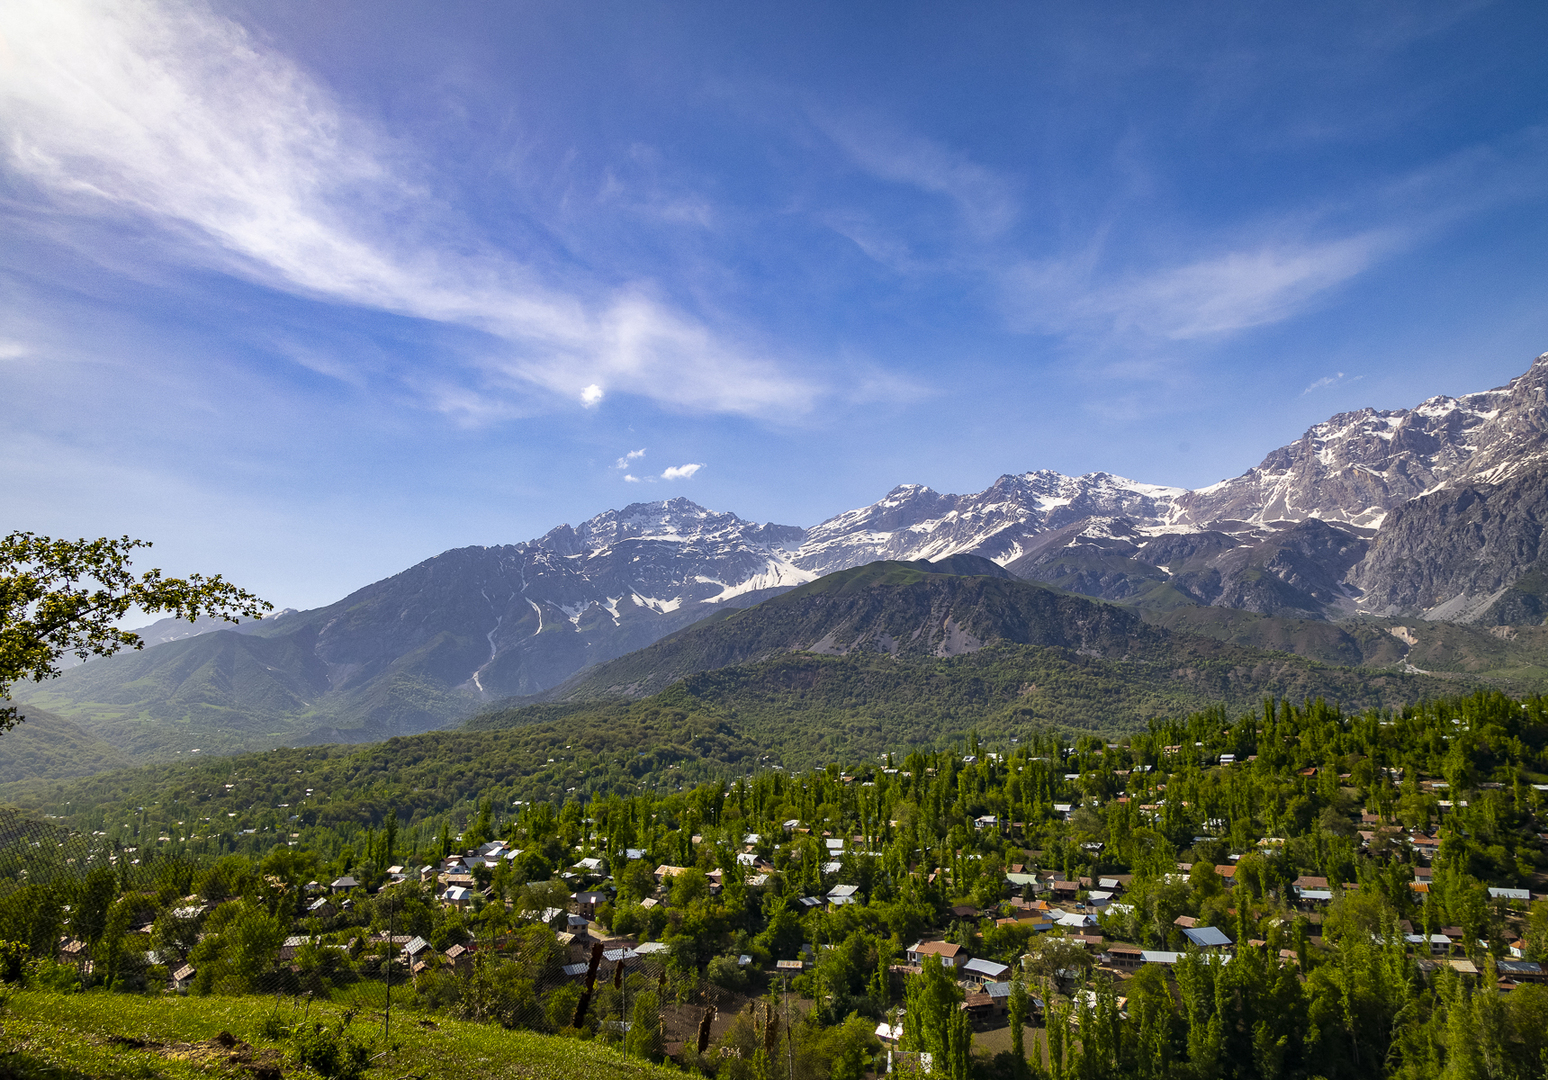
49,747
1300,535
799,708
1456,553
1049,652
900,609
425,647
1428,512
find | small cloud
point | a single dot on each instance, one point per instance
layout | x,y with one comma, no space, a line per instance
1327,381
681,472
591,395
631,479
632,455
11,350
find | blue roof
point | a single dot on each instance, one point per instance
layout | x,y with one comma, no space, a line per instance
1206,937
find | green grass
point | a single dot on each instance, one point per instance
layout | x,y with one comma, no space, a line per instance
107,1036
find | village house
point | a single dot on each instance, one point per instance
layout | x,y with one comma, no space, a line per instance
949,954
588,902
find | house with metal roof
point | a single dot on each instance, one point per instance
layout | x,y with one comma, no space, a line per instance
1207,937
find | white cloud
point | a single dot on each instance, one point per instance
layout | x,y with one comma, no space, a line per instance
985,199
1327,381
176,116
680,472
632,455
1234,290
13,350
631,479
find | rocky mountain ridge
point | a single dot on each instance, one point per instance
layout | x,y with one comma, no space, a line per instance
1289,537
1432,511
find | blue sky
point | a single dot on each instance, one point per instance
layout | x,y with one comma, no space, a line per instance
305,292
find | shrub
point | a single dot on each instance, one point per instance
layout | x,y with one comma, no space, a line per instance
334,1053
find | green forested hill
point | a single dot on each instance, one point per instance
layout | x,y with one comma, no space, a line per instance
801,707
226,692
795,710
880,657
50,747
904,610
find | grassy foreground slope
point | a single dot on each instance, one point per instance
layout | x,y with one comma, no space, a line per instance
107,1036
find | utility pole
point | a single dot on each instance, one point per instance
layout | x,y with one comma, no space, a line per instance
789,1031
392,916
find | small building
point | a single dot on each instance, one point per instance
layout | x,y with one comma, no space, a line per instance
588,902
1160,956
457,897
949,954
999,993
344,884
1520,970
460,959
985,970
182,978
1125,957
1207,937
840,895
979,1006
1437,944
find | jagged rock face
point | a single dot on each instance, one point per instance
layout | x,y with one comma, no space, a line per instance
1298,573
526,616
1455,554
913,522
1232,544
1358,466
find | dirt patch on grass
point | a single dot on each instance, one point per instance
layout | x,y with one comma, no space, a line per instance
224,1050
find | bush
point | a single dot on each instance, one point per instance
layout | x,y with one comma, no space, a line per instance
44,974
725,972
334,1052
13,961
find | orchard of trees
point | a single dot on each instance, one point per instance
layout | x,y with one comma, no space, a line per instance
1410,816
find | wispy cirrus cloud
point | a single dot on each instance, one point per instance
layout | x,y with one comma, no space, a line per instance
174,115
986,200
1330,380
1219,294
